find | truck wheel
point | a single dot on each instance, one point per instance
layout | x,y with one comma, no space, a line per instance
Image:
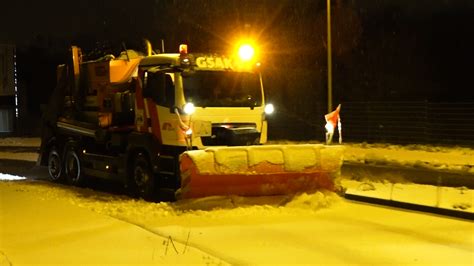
143,180
55,167
72,165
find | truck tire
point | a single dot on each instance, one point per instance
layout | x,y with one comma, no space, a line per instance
55,165
142,178
73,167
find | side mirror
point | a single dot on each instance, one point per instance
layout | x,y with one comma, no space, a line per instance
175,109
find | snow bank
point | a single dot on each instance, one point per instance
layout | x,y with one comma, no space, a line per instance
449,158
122,206
23,156
423,156
314,201
20,142
10,177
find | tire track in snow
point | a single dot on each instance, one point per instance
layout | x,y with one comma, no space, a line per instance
218,255
4,261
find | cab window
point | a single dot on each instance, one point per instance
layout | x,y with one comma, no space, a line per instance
159,87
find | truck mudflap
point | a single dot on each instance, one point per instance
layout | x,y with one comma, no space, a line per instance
259,170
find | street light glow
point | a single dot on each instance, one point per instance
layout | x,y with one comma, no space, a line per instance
246,52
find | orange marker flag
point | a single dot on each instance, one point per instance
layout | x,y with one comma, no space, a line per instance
333,120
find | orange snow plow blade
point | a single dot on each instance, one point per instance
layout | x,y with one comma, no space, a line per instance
259,170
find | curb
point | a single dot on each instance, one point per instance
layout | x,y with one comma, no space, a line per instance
19,149
412,206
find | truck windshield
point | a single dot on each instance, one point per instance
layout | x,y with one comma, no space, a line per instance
222,89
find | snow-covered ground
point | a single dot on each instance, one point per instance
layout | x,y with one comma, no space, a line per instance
45,223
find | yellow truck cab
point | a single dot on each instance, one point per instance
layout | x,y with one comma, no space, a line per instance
199,100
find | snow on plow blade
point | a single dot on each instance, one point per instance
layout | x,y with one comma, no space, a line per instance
259,170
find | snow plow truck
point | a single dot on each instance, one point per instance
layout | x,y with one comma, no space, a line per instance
174,125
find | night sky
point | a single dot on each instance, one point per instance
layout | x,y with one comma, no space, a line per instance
384,50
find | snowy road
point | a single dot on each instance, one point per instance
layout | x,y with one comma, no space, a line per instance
48,223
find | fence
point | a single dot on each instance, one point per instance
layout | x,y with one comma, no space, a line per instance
391,122
409,122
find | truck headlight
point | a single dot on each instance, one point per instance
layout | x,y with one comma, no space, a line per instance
189,108
269,109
